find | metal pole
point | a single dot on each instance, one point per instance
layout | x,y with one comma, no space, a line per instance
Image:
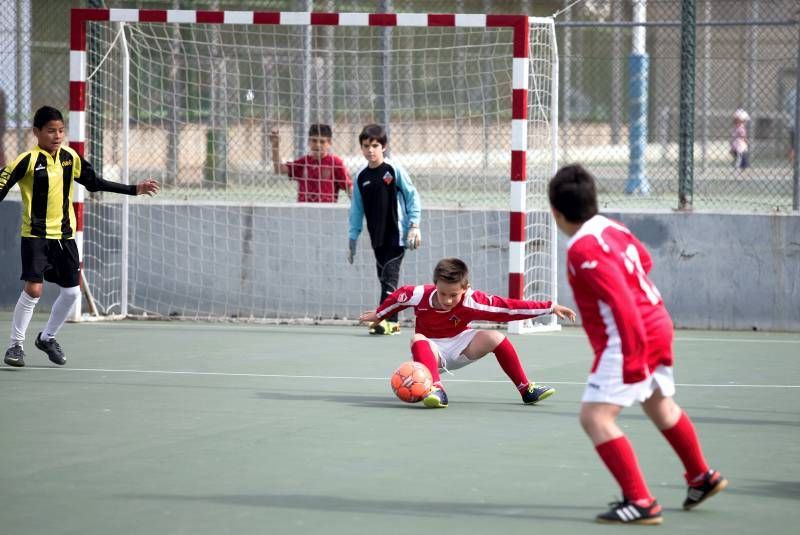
303,100
554,156
174,113
686,126
383,102
126,115
796,148
23,67
215,175
706,86
565,126
616,75
638,71
95,112
752,57
488,101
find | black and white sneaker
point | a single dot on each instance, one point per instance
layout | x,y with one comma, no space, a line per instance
627,512
52,348
15,356
712,483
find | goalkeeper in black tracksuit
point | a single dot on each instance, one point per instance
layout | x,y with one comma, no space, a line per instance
384,194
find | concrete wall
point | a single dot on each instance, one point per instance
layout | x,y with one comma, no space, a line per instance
721,271
715,271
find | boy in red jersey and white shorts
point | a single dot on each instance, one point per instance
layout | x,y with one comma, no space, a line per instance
630,332
443,338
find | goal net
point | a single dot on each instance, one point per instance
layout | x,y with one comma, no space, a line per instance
191,98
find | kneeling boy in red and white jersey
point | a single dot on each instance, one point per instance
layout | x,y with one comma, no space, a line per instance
443,338
630,332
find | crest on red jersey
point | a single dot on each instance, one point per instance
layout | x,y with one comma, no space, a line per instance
388,178
455,319
402,298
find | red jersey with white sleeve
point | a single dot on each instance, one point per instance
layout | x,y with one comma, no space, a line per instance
319,180
621,309
474,306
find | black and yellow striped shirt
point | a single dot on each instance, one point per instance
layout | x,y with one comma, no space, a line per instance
46,183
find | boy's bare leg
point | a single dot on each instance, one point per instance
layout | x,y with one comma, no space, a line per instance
483,343
662,410
599,421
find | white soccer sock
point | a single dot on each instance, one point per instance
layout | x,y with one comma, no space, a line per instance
61,309
23,312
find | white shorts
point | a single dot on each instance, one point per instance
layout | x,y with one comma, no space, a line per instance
451,350
605,384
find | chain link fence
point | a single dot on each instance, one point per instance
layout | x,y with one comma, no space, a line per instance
746,67
626,131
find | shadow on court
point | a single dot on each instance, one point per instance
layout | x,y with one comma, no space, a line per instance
427,508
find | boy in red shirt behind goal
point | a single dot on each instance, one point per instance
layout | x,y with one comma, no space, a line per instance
443,338
630,332
320,174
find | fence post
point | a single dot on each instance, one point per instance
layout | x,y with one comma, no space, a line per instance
638,66
796,140
686,126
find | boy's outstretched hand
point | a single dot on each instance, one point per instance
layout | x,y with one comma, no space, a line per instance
564,312
147,187
368,317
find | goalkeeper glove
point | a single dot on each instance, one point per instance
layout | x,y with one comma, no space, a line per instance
413,238
351,251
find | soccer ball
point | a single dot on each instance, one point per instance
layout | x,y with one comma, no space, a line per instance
411,382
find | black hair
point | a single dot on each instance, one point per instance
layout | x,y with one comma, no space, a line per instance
44,115
320,130
452,270
572,192
373,132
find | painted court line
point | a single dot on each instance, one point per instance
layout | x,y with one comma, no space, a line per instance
353,378
329,328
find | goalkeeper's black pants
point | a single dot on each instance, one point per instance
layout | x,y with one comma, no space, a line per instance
388,260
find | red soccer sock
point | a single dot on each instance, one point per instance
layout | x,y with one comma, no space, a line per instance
509,360
683,439
619,457
421,352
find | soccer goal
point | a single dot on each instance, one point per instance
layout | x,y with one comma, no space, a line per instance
192,97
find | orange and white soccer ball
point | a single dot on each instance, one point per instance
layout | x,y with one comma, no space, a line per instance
411,382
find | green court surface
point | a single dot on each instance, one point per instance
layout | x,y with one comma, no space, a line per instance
195,428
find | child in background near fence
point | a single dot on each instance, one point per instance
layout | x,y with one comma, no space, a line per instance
46,176
631,333
385,195
319,174
443,338
740,146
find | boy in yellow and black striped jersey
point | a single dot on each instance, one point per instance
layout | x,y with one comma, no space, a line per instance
46,176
